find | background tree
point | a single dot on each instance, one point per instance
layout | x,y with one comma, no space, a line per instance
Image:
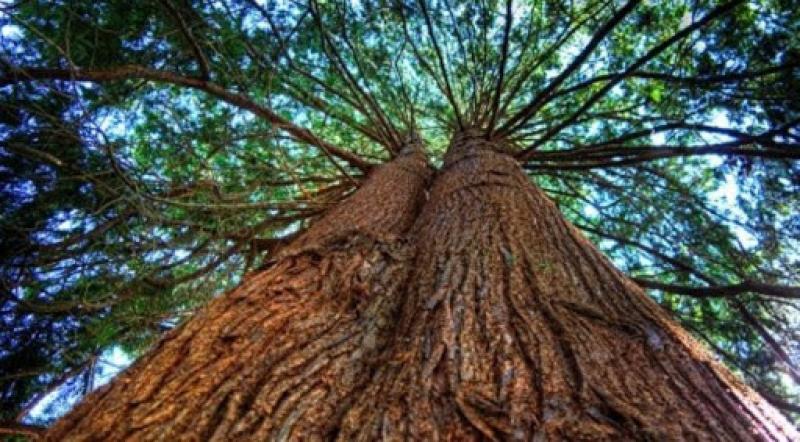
151,157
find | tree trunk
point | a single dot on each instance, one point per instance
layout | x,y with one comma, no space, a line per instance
515,327
497,321
282,356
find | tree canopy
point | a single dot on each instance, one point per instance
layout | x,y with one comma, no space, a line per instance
153,154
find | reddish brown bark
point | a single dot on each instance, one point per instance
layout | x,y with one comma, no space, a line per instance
516,328
497,320
282,356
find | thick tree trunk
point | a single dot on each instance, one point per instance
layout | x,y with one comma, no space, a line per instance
497,321
282,356
515,327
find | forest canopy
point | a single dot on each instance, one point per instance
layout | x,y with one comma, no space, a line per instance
153,154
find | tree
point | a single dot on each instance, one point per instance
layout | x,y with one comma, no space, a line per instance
277,155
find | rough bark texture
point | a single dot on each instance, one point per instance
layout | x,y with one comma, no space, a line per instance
516,328
282,356
502,323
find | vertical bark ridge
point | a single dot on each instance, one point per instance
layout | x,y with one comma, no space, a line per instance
282,356
515,327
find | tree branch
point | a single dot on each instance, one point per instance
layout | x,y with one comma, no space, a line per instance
202,60
520,75
503,61
442,65
130,71
627,156
773,344
694,81
651,54
528,111
725,291
339,64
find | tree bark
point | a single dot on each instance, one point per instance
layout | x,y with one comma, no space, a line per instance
283,355
495,320
515,327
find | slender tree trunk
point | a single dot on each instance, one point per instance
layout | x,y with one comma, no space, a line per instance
282,356
515,327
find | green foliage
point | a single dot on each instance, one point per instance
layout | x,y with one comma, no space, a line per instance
128,200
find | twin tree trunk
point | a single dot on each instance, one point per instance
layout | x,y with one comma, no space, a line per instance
471,312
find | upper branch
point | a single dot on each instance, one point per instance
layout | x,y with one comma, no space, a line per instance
503,61
528,111
340,66
641,61
442,65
